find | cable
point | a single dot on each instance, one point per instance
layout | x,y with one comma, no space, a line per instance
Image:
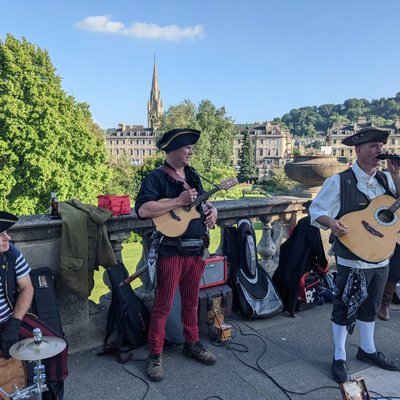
138,377
260,369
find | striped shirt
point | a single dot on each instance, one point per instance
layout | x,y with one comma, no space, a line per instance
16,260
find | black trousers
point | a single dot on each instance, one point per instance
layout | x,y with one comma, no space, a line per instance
394,266
376,281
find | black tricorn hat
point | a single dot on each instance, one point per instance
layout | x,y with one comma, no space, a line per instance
177,138
365,135
6,220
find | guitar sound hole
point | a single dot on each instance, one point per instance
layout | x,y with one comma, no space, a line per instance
386,216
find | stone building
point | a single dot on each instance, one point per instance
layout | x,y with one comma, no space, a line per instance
134,141
338,132
272,146
272,142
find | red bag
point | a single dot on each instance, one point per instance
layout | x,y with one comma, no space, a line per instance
117,204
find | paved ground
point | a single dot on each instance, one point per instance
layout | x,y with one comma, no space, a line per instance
265,358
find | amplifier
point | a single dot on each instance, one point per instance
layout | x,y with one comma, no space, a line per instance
215,272
214,301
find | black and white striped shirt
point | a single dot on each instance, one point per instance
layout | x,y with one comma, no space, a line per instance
15,260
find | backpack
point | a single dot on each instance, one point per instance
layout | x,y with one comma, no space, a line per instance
254,294
127,318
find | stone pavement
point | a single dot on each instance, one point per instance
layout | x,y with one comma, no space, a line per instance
294,353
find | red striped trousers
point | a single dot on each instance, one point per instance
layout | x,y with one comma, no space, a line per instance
185,271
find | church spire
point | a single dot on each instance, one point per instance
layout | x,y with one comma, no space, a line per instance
154,105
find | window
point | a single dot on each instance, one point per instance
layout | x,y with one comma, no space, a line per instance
260,152
269,141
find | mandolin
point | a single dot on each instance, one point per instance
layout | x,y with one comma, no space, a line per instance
174,223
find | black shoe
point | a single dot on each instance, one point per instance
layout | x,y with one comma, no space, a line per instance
377,359
199,353
340,372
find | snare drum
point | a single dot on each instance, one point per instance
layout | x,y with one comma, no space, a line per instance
12,372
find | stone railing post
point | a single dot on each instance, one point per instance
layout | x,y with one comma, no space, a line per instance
284,223
145,291
266,247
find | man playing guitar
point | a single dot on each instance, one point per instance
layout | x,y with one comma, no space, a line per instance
180,259
360,283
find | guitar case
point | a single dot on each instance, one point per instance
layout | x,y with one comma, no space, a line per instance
44,303
254,293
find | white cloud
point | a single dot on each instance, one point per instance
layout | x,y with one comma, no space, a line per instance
140,30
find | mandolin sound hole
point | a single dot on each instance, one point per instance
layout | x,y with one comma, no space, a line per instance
386,216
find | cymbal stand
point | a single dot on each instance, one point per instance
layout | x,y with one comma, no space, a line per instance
36,389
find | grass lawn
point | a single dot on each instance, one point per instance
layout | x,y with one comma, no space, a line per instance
132,252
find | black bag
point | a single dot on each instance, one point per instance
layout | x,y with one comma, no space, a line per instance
44,303
127,318
254,293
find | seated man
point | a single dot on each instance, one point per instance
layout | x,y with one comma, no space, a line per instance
16,294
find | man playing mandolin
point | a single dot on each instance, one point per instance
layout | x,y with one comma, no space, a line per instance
180,259
360,283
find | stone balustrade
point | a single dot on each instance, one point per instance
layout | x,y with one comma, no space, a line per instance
39,238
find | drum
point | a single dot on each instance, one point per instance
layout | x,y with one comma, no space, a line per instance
12,372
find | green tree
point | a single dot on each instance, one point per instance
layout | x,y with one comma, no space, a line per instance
124,177
47,139
247,165
215,146
279,182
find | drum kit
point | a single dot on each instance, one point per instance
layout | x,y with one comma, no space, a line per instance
12,371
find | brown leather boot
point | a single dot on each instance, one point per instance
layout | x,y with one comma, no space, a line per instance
387,300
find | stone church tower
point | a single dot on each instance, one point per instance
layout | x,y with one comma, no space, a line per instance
154,105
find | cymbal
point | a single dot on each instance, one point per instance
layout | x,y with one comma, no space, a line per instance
28,350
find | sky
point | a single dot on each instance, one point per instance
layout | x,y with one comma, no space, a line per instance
257,58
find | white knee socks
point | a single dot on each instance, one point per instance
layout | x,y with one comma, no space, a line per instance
366,330
339,340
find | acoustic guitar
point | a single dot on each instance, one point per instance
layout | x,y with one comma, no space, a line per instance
174,223
373,232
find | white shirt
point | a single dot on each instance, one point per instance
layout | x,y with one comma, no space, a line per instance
327,202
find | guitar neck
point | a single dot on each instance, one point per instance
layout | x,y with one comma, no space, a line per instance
204,196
